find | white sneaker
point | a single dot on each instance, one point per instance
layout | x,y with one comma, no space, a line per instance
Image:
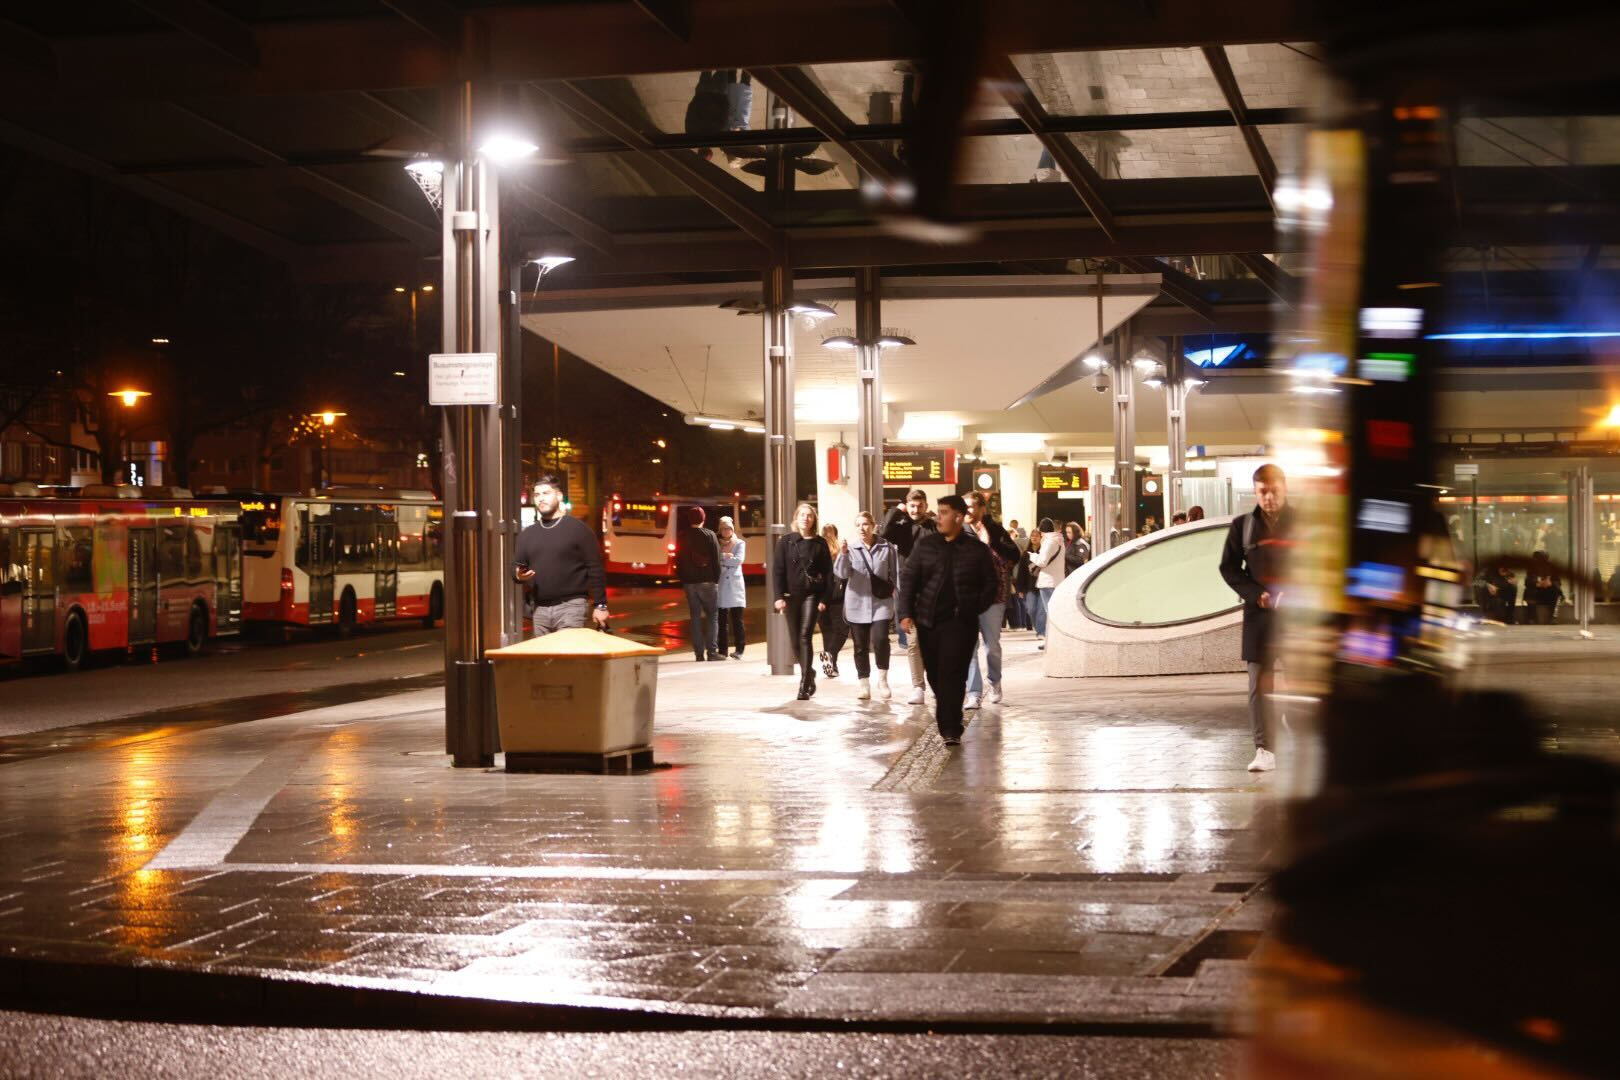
995,693
865,691
970,703
1264,761
883,686
916,697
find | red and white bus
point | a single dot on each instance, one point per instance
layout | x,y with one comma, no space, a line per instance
638,532
342,558
108,569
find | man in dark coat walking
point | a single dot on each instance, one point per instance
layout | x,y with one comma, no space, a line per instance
948,581
1252,564
697,565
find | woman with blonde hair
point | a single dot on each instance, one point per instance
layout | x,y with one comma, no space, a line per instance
733,591
803,567
870,566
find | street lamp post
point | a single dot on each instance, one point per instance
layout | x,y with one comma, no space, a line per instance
328,419
130,398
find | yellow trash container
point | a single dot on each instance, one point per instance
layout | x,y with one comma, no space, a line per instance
576,701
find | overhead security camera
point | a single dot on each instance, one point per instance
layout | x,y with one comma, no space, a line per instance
1101,385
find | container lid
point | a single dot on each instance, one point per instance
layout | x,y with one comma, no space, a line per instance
576,642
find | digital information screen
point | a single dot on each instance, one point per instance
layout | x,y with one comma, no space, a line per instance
923,465
1061,478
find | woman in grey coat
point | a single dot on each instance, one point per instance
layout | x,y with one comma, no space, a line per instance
733,551
871,566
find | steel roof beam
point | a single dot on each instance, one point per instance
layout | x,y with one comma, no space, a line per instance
354,201
1070,161
1221,67
208,24
674,16
570,221
796,87
1278,282
730,197
1174,284
438,20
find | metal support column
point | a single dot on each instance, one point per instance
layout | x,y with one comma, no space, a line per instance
511,473
780,465
1582,543
869,391
1175,404
470,240
1124,395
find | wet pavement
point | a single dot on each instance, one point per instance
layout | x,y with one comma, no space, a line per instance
1094,853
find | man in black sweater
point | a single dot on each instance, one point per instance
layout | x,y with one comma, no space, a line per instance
903,527
1252,563
697,565
949,580
559,566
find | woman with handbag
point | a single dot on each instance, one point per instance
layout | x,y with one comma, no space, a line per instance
803,567
870,566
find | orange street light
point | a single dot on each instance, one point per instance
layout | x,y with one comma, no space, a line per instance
329,417
129,397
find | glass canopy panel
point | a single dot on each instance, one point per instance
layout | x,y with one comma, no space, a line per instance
695,102
1001,159
1172,580
1538,141
1273,76
1166,152
866,93
1286,142
1121,81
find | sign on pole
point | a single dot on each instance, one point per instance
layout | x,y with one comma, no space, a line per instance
463,379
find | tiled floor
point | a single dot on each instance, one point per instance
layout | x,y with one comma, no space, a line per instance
1067,862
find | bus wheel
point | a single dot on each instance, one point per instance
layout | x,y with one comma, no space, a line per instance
346,614
197,630
75,642
435,607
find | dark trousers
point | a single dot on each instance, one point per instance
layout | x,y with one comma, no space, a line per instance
801,616
870,638
701,599
947,649
834,631
734,616
1262,677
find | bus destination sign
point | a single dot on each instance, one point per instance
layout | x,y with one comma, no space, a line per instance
910,466
1061,478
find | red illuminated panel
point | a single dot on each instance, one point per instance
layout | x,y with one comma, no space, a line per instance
1389,438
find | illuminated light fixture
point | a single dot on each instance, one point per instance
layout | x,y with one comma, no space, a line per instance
1291,197
1524,335
1391,322
1014,442
427,288
328,417
841,342
425,167
160,341
504,148
399,288
1144,362
811,309
1193,382
130,397
719,425
1154,382
1096,361
399,374
754,429
548,263
1612,420
893,340
930,427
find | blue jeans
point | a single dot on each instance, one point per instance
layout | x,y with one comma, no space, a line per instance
990,630
1042,605
703,604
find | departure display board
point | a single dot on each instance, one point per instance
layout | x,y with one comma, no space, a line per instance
918,465
1061,478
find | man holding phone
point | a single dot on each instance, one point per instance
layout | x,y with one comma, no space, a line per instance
559,566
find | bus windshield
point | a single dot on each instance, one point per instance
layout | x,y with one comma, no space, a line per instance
640,516
261,522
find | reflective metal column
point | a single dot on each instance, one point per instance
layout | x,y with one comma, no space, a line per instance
471,251
1175,404
1123,388
780,464
869,391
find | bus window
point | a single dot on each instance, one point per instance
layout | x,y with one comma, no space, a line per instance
355,528
300,551
640,516
433,538
412,550
194,551
74,551
171,552
750,515
11,573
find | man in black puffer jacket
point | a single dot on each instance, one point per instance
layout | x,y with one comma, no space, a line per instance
949,580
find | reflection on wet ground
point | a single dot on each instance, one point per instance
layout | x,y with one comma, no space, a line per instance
1094,850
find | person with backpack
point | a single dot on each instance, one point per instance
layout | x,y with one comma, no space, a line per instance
870,568
697,565
1252,564
800,574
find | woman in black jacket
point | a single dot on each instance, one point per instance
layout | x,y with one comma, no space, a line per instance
803,569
